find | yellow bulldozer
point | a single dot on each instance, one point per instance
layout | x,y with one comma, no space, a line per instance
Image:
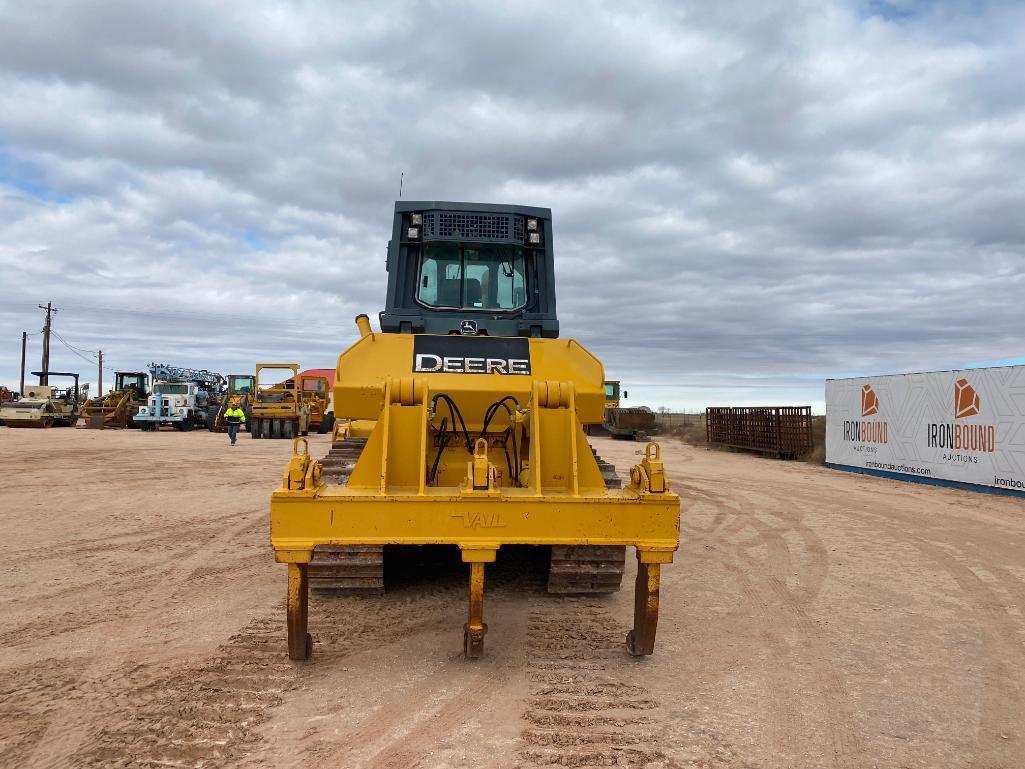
278,410
635,423
476,408
116,408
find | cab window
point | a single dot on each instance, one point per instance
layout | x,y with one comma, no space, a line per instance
472,277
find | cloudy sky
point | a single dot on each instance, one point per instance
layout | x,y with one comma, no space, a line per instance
747,197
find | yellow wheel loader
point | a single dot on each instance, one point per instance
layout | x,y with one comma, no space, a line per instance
118,407
471,414
278,411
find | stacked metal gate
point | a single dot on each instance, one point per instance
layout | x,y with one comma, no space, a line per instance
782,431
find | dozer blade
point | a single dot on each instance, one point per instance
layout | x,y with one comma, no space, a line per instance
346,568
589,569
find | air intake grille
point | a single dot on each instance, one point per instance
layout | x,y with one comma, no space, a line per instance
443,225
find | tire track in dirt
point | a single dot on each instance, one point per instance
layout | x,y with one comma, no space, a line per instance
1000,633
581,712
199,716
132,587
478,686
847,742
211,715
411,721
156,537
67,729
586,708
29,696
768,554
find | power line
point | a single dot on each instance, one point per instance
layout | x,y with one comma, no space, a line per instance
71,346
74,349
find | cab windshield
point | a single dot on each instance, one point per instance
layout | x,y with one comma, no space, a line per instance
131,382
470,276
241,384
611,390
171,389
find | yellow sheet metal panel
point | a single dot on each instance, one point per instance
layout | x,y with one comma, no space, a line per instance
350,516
364,368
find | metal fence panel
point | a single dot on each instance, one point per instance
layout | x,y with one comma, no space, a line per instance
784,431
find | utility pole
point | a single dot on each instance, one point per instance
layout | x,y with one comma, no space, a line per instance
50,310
24,344
99,385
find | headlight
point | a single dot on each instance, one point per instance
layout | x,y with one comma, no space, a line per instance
181,412
143,411
531,225
416,219
412,233
534,237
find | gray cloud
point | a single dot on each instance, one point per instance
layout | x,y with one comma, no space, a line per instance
745,201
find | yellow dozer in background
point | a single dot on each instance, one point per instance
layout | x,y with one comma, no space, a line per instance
634,423
477,411
116,408
277,409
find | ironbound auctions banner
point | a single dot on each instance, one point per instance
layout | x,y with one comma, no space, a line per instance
966,426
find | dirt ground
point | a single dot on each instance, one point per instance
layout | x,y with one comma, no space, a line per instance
812,619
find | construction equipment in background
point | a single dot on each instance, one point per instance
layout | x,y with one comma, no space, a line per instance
117,408
6,396
45,405
278,411
238,395
636,423
314,391
783,432
182,397
612,393
476,441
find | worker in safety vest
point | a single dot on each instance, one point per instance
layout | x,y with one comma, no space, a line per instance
234,417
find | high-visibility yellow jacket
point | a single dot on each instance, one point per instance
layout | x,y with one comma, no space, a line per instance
233,415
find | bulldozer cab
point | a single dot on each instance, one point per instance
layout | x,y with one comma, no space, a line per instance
471,269
241,384
136,381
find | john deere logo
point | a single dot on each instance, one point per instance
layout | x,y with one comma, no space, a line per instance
869,401
468,327
966,400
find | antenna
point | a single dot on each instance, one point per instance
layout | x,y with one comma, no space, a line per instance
401,175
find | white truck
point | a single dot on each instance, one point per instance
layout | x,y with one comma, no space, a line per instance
182,398
172,403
